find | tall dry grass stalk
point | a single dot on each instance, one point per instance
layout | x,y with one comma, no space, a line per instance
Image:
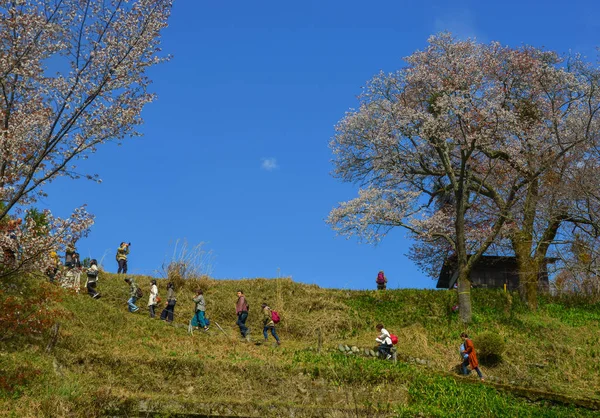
187,263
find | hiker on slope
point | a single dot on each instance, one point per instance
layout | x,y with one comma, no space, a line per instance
92,279
199,320
169,311
152,298
241,310
469,356
385,342
133,295
268,323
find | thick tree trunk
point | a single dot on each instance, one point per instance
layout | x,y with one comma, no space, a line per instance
464,296
529,270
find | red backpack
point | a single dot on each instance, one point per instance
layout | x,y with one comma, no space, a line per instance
394,339
275,317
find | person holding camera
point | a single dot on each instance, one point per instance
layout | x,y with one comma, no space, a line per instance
122,253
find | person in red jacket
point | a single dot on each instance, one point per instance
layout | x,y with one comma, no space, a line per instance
469,356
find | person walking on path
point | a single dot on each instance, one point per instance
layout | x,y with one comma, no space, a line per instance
169,311
269,324
469,356
122,253
199,319
92,279
385,342
381,281
152,298
241,309
133,295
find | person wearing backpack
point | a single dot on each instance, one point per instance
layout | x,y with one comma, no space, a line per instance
92,279
385,342
241,310
198,319
152,298
134,295
269,323
381,281
469,357
122,253
169,311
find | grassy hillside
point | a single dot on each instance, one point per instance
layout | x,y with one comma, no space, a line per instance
107,361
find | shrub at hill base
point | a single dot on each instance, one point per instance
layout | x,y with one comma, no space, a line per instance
490,348
27,307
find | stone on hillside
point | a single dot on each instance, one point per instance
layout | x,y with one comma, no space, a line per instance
347,348
355,349
341,348
372,353
367,352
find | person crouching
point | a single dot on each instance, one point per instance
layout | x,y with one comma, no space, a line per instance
385,342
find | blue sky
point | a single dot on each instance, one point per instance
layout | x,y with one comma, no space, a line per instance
235,150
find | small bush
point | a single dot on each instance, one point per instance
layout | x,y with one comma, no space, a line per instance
490,348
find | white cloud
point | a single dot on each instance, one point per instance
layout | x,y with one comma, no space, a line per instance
269,164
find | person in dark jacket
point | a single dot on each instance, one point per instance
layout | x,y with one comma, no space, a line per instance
241,310
169,311
199,319
269,324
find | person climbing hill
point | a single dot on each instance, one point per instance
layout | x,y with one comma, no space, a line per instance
199,320
134,295
152,298
241,310
469,356
269,324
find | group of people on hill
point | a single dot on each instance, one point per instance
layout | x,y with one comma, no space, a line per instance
72,279
199,320
69,274
135,293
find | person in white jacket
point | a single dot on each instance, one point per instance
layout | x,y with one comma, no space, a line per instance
385,342
92,279
152,298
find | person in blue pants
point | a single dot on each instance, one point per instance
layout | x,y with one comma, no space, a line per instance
269,324
199,319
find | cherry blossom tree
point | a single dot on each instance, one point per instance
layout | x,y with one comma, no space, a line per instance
450,146
73,75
